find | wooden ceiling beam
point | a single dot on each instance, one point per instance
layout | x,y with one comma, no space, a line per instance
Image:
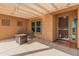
42,7
54,5
20,12
71,8
31,8
21,15
68,4
28,12
17,8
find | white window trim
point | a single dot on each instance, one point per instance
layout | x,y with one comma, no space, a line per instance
35,27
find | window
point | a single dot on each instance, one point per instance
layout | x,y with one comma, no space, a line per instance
36,27
73,28
5,22
63,22
20,23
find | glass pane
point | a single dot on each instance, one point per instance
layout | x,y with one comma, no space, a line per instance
63,34
33,29
38,23
63,27
19,23
5,22
38,29
73,29
36,26
33,23
63,22
33,26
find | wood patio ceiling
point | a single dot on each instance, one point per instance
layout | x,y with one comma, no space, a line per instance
30,10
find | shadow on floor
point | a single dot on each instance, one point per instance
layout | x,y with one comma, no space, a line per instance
30,52
68,50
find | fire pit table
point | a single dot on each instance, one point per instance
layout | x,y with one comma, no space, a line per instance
21,38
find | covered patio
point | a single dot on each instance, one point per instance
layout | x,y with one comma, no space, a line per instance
39,29
35,47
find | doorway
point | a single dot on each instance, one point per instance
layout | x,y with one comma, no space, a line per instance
74,28
66,31
62,28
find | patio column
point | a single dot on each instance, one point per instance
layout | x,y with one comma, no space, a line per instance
78,28
54,27
70,28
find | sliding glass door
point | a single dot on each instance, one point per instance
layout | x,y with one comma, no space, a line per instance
74,28
63,28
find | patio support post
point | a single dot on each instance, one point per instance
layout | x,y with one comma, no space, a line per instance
54,27
78,28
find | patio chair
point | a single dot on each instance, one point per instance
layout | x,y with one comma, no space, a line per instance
30,35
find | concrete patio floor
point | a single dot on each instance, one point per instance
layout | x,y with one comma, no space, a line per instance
35,47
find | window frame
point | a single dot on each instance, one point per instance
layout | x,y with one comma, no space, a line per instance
20,23
36,26
6,22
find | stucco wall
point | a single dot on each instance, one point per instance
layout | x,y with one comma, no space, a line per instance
49,25
46,27
10,31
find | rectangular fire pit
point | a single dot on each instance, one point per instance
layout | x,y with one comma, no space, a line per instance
21,38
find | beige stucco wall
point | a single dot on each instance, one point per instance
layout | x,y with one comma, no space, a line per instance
49,25
10,31
46,27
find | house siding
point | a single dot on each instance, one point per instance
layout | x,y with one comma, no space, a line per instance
12,29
